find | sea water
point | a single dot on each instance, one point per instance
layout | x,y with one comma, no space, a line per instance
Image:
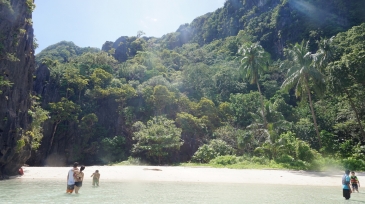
53,191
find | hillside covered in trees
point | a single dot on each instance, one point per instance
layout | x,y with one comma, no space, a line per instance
258,82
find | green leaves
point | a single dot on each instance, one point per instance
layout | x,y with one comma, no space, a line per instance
158,140
212,150
30,5
254,61
162,97
301,70
64,110
4,83
302,74
39,116
242,105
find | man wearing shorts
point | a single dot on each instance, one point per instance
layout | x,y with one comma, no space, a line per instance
71,179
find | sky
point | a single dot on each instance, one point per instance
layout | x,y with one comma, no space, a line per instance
91,23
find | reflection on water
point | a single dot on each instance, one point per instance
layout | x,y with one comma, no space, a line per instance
53,191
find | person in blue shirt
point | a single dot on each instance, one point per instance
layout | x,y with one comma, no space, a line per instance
346,185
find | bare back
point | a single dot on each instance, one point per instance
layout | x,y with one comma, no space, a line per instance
79,176
96,176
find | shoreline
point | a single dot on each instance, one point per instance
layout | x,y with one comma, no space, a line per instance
192,175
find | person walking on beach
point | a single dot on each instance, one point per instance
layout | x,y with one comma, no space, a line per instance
79,177
71,179
346,190
355,183
96,177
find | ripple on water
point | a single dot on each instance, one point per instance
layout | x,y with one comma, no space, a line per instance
53,191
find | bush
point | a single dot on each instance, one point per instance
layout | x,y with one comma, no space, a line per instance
212,150
291,163
113,149
20,144
285,159
304,152
224,160
134,161
204,154
221,148
354,164
298,165
260,160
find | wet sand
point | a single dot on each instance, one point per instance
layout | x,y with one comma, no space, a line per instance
193,174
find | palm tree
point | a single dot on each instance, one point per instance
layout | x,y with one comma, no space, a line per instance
325,53
302,71
253,64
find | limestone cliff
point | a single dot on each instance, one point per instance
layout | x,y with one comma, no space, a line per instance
16,71
125,47
275,23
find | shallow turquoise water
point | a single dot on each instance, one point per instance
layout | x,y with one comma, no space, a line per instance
53,191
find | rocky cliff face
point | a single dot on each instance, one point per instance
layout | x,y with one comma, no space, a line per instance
125,47
16,69
275,23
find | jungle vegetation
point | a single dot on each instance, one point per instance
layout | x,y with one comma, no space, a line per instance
228,99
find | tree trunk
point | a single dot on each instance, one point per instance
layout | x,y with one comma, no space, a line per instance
262,105
80,97
52,138
356,114
313,115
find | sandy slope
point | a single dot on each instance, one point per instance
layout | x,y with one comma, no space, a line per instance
191,174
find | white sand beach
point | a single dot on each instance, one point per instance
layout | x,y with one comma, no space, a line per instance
193,174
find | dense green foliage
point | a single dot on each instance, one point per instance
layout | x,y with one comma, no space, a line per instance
39,115
219,100
158,140
63,52
275,23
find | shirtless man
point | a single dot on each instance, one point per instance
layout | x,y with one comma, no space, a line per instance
71,179
96,177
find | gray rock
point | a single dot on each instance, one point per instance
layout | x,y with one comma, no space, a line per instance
17,39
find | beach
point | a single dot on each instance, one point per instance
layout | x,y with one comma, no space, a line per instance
193,174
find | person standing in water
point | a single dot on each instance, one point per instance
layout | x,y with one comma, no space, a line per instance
355,183
71,179
96,177
79,177
346,190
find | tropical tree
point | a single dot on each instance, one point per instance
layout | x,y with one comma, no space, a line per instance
325,53
74,79
302,74
194,132
39,115
162,97
157,140
241,106
345,73
253,64
64,110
